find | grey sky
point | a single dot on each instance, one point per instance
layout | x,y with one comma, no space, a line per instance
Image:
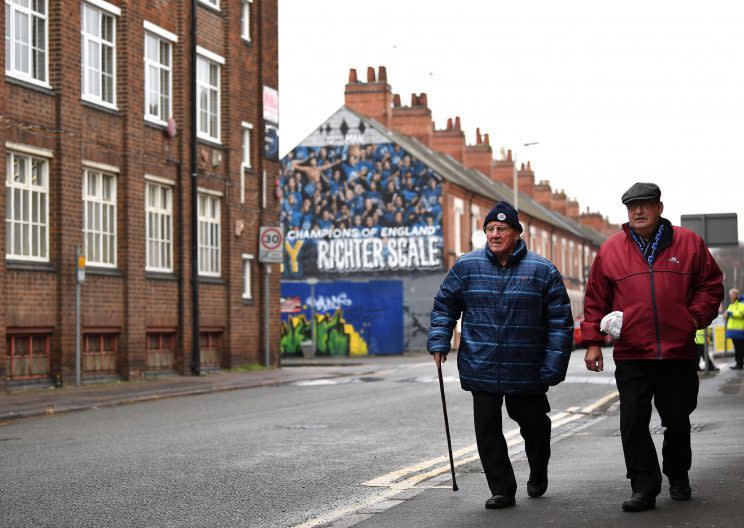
614,92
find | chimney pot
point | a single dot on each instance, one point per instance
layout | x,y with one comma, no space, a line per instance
528,165
478,140
414,100
449,123
423,99
370,74
353,75
382,74
457,122
509,155
396,100
486,140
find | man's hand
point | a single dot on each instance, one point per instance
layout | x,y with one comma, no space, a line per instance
439,358
593,358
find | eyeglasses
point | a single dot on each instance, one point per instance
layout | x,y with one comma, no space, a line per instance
498,229
642,204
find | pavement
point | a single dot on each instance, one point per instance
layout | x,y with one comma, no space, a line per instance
38,401
587,477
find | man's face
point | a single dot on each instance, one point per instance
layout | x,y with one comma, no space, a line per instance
644,216
501,238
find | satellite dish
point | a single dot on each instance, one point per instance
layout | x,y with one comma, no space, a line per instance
170,128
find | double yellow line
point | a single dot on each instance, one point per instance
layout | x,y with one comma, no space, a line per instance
408,477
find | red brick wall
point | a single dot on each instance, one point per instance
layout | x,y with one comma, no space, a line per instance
128,298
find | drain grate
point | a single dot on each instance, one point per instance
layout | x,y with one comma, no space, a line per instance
658,429
366,379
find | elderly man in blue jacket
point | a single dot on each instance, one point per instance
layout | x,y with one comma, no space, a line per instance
515,342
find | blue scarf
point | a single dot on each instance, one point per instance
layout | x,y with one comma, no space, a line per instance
648,250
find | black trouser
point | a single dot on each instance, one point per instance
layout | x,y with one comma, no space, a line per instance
739,351
530,412
673,385
705,357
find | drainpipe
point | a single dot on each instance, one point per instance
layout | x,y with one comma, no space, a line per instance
195,350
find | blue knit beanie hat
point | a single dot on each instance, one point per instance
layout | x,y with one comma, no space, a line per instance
503,212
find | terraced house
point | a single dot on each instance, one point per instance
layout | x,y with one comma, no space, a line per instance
378,204
125,138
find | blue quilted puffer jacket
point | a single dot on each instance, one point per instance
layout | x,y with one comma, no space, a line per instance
516,322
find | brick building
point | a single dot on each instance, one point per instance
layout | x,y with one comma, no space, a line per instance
96,138
378,270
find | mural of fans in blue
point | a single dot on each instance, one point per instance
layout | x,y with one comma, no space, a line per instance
359,208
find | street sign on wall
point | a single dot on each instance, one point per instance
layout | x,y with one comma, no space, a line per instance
715,229
270,242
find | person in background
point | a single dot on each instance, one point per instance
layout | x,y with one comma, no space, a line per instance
734,316
667,284
700,345
515,343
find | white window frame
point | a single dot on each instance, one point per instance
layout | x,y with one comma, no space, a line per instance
214,4
533,239
458,209
34,228
245,20
564,265
247,276
571,258
246,161
104,9
209,236
94,231
160,36
158,225
13,10
207,59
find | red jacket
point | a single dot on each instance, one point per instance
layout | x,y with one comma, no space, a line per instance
662,306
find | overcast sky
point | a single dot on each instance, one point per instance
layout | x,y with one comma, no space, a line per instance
613,92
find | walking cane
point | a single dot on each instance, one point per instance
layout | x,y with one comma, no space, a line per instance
446,428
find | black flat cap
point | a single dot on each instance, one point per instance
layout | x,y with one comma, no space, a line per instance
642,191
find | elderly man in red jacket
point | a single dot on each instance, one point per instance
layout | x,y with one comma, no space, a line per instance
666,284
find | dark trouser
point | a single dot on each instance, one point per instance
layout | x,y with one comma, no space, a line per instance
673,385
530,412
704,357
738,351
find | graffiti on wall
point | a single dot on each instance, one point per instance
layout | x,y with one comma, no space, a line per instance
350,318
358,208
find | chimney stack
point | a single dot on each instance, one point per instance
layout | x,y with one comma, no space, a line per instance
526,180
558,202
372,99
450,141
542,193
479,156
414,120
382,74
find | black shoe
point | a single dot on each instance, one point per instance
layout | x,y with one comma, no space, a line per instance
713,368
737,367
639,502
537,489
679,489
500,501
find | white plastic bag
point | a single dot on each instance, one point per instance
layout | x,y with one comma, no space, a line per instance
611,324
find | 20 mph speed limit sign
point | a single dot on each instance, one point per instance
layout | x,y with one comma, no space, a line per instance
270,244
